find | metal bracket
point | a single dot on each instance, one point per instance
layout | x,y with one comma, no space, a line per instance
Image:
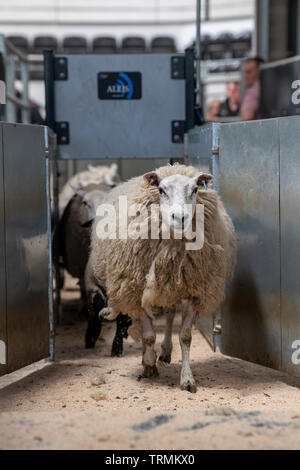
178,129
60,68
178,68
62,132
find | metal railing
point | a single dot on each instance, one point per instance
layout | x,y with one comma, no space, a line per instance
14,58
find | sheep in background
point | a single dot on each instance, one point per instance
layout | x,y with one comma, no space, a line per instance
142,276
74,241
107,175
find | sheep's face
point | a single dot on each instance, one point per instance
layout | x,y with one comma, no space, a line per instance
90,202
178,196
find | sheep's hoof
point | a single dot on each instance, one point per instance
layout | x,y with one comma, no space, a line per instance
150,371
189,385
117,349
165,358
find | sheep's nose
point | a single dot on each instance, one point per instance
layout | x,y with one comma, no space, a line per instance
177,218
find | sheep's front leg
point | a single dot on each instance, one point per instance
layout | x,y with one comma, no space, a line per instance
166,346
187,381
149,354
96,302
123,323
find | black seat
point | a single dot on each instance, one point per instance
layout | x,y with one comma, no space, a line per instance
240,45
133,45
74,45
104,45
44,42
20,42
205,40
218,47
163,44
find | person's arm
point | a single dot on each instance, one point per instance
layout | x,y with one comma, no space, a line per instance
248,114
250,104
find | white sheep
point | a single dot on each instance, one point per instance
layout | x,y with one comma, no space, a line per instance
74,234
100,174
142,276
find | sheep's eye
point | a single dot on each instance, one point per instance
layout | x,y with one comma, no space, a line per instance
195,190
161,191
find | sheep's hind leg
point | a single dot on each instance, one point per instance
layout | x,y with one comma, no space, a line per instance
96,302
187,381
166,346
149,354
123,323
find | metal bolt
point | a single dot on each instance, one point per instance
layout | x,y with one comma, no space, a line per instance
176,124
62,75
62,61
175,74
63,138
176,137
63,125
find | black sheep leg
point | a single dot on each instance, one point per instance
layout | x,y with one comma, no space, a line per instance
123,323
96,303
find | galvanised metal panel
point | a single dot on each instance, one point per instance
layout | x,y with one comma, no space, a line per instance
202,143
289,131
26,244
136,128
249,187
3,336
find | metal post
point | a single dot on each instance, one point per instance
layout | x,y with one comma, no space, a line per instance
262,29
198,54
24,78
49,88
10,114
298,28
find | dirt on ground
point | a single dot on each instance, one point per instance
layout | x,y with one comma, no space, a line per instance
88,400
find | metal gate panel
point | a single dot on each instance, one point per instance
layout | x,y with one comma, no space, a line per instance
289,131
249,186
27,306
125,128
3,336
202,145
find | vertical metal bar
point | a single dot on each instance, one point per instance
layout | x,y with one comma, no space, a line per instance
49,88
189,89
2,76
298,28
10,88
50,269
262,29
24,78
198,54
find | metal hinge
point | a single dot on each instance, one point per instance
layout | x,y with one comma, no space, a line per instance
178,67
60,68
62,132
178,130
215,150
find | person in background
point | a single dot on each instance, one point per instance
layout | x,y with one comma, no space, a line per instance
231,106
213,111
35,115
250,105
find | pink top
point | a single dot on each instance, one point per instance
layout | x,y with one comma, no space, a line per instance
251,99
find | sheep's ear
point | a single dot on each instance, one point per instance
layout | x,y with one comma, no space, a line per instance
114,169
92,168
152,178
203,179
79,180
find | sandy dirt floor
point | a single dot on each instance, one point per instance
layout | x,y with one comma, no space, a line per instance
238,405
